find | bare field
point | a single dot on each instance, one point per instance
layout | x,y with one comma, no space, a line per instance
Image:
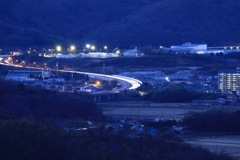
144,109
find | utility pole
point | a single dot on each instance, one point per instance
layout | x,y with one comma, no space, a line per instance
57,69
138,112
103,68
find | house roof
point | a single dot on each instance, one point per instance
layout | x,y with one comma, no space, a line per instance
227,71
91,87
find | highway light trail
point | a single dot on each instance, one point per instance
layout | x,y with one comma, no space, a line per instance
126,83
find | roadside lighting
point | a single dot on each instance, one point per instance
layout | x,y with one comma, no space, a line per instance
72,48
88,46
105,47
34,62
98,83
167,79
93,47
59,48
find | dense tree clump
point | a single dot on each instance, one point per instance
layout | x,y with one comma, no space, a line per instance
214,120
171,94
178,93
28,139
24,101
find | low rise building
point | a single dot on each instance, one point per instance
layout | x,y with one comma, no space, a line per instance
131,53
229,80
187,47
200,49
90,88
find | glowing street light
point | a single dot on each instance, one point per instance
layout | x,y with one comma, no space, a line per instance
59,48
98,83
72,48
88,46
168,79
105,47
93,47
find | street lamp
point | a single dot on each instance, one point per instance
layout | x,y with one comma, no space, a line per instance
72,48
105,47
59,48
93,47
88,46
98,83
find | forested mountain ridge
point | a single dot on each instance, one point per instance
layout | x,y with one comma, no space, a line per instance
119,22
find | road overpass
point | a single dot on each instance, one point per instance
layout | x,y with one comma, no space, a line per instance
126,83
5,56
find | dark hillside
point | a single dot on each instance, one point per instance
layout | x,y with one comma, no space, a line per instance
69,19
174,22
119,22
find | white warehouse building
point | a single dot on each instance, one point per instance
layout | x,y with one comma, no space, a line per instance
189,47
199,49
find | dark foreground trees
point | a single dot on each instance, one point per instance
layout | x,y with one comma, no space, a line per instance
214,120
28,139
18,100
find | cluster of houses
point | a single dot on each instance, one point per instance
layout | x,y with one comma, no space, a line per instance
130,128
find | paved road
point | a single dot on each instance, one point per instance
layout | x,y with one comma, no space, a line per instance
125,82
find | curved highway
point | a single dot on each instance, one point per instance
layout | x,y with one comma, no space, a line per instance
126,83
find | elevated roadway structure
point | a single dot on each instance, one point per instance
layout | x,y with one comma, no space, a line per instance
126,83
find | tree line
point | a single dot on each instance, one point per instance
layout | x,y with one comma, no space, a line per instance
214,120
177,93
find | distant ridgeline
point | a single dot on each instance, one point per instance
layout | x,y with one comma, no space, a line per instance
119,23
